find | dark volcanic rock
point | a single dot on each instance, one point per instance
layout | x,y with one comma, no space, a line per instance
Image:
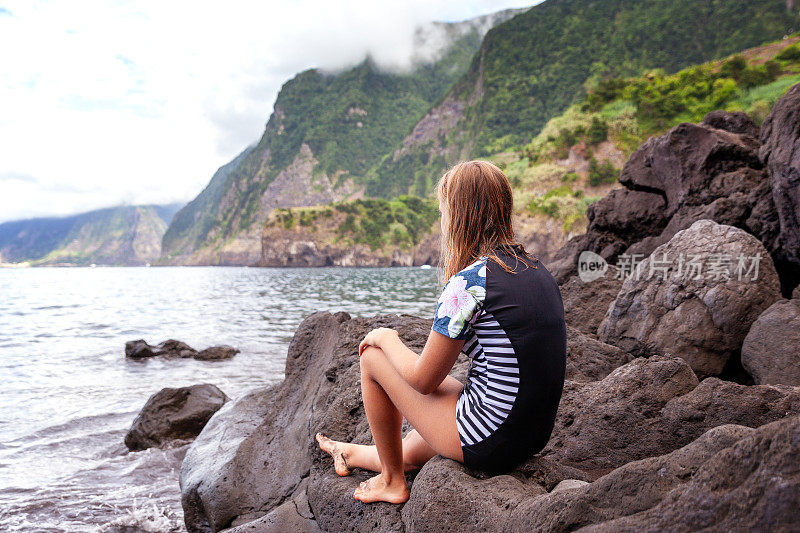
335,509
293,515
692,165
170,348
734,122
716,402
703,320
215,353
771,350
256,466
139,349
780,152
174,414
445,497
589,359
256,451
632,488
605,424
586,303
692,172
753,485
653,406
714,170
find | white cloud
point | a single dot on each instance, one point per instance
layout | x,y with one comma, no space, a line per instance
104,103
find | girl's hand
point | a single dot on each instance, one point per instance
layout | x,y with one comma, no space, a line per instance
375,338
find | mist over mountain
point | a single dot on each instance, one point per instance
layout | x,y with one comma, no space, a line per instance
124,235
326,133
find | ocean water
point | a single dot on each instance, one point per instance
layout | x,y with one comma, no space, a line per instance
69,394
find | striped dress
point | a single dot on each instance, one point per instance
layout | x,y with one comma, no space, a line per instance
513,329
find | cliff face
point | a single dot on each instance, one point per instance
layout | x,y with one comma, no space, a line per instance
326,132
322,244
128,235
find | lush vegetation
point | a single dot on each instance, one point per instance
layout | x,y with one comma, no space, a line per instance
195,220
534,66
627,111
564,73
348,119
376,222
564,204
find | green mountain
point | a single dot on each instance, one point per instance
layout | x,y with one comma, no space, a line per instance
533,66
327,131
577,156
337,137
194,220
125,235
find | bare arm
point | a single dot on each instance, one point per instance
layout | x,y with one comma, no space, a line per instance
424,372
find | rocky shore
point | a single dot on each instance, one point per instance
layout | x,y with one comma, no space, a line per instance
681,409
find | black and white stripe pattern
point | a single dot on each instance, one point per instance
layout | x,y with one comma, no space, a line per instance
492,382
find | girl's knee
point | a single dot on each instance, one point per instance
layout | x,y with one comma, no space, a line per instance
369,356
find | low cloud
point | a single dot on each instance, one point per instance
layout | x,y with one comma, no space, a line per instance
143,101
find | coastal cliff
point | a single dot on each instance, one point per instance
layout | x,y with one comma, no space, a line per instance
368,131
326,131
674,414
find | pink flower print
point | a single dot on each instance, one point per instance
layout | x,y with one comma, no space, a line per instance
454,298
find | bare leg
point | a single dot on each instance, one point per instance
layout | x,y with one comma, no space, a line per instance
386,424
347,456
387,397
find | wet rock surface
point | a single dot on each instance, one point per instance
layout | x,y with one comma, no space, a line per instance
174,415
140,349
216,353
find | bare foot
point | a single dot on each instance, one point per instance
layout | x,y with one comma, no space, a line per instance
376,489
337,450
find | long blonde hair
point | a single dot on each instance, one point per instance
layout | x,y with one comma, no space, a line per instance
479,205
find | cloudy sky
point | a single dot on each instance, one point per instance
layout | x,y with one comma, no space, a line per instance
104,103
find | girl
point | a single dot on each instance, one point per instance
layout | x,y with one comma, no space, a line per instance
503,309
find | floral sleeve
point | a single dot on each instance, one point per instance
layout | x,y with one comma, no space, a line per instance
460,301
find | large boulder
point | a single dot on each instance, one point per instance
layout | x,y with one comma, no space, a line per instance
174,414
780,152
703,314
734,122
256,466
605,424
216,353
717,170
446,497
771,350
293,515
